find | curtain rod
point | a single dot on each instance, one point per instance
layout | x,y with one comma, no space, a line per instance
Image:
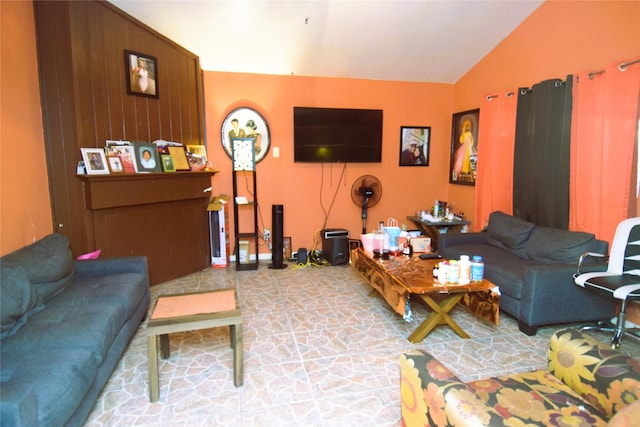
623,66
490,97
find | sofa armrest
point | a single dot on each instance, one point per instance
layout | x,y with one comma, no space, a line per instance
106,266
456,239
552,296
18,406
429,391
607,378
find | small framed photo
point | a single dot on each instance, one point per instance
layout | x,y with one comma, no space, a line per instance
167,163
200,150
127,154
95,161
115,164
142,74
147,158
414,145
464,147
197,163
286,248
179,158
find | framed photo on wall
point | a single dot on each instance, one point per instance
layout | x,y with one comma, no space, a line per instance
142,74
244,123
464,147
414,145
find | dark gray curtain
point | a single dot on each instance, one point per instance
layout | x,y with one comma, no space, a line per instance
542,150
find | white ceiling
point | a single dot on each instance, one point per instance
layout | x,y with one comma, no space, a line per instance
403,40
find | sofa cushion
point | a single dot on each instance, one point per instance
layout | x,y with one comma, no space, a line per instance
500,267
19,299
551,245
44,387
47,263
88,314
606,378
92,327
509,233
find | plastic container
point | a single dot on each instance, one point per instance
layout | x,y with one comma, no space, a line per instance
442,272
367,242
477,269
453,272
465,269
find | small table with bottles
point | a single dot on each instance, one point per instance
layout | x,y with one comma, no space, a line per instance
402,277
433,229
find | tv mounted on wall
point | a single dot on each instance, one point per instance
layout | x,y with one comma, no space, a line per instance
347,135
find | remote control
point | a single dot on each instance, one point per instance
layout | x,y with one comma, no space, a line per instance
430,256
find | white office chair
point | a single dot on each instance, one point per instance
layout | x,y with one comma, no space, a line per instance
621,281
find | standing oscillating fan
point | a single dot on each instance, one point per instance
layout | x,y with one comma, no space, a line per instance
365,193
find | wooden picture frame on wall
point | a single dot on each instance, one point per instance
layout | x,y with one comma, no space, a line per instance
142,74
414,145
242,123
464,147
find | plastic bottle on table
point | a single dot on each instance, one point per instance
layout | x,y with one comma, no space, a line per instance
453,272
477,269
465,269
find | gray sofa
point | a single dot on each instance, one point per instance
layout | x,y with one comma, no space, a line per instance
65,325
533,266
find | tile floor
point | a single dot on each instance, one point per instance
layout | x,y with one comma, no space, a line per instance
319,350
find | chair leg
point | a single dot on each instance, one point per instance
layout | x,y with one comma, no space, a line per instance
601,326
619,329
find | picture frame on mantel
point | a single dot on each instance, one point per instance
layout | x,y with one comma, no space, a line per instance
95,161
464,147
142,74
414,145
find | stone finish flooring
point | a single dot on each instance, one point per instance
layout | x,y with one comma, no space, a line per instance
319,350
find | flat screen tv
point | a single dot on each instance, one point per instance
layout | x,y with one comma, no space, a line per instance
347,135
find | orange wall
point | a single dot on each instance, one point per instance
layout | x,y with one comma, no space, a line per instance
25,207
559,38
306,189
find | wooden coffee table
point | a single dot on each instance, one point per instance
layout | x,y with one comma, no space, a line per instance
396,280
190,312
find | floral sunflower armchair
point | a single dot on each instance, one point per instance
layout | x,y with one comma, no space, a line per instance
587,384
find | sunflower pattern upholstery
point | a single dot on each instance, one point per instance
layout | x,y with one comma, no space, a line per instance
587,384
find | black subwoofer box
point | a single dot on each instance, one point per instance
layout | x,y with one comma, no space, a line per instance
335,246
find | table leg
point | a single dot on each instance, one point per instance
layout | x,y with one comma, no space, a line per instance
165,351
236,343
152,357
439,316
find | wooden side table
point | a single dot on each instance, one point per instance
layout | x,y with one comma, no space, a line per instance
432,229
190,312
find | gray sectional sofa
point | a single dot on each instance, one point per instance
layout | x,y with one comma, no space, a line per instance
534,267
65,325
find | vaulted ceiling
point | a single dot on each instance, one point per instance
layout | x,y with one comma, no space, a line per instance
402,40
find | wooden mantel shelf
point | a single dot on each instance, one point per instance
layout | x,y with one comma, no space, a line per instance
162,216
119,190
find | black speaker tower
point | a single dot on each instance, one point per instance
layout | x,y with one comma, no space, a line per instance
277,250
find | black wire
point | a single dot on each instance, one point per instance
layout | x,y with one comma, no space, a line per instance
335,194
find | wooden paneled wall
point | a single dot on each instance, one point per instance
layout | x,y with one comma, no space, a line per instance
85,102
